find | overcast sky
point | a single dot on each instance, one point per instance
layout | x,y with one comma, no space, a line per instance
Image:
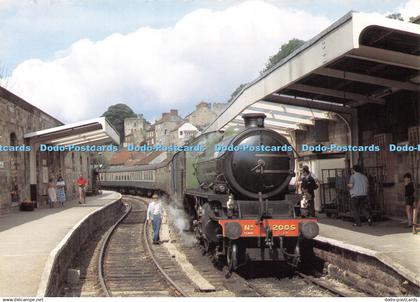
74,58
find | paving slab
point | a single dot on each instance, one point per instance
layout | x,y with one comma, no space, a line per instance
27,239
389,241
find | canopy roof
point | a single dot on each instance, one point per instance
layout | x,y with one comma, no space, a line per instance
94,131
359,59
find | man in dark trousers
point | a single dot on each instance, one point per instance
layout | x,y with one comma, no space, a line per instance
154,216
359,187
309,183
409,198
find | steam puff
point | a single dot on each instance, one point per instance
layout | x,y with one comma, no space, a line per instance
180,220
206,55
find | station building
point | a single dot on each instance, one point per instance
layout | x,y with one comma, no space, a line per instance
24,175
135,130
356,83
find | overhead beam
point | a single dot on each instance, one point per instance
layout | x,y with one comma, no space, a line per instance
87,138
385,56
364,78
360,98
107,140
69,139
276,124
281,130
282,117
326,106
289,109
41,137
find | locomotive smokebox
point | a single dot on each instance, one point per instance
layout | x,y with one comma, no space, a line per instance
254,120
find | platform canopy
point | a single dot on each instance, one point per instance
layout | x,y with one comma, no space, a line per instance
94,132
360,59
283,118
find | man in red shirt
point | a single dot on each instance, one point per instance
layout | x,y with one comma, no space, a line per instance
82,184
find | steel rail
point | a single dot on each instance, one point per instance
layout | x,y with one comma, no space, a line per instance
323,285
104,245
147,242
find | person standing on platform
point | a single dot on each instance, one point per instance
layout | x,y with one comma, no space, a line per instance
52,194
154,216
61,194
82,184
308,184
409,198
359,187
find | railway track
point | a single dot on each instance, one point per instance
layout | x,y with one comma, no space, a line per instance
128,266
268,284
124,263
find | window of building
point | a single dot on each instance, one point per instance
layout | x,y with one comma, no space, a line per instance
73,162
14,190
14,155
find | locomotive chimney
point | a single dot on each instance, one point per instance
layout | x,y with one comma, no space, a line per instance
254,120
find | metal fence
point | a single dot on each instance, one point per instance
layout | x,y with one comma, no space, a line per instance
335,196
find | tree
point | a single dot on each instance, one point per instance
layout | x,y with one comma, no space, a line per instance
285,50
100,161
237,91
4,79
395,16
116,114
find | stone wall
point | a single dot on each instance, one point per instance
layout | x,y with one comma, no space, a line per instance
396,122
18,117
202,116
163,127
135,130
335,133
363,270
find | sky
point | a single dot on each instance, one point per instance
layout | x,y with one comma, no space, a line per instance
74,58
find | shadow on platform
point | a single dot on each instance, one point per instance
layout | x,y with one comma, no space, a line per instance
379,228
16,217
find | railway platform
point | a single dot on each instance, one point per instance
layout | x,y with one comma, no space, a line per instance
30,242
388,241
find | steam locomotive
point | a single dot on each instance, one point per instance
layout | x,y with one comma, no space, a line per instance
235,199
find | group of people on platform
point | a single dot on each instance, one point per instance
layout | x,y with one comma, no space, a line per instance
57,191
358,187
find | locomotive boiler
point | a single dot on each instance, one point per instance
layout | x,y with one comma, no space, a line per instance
235,193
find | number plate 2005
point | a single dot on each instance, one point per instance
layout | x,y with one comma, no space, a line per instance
251,228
